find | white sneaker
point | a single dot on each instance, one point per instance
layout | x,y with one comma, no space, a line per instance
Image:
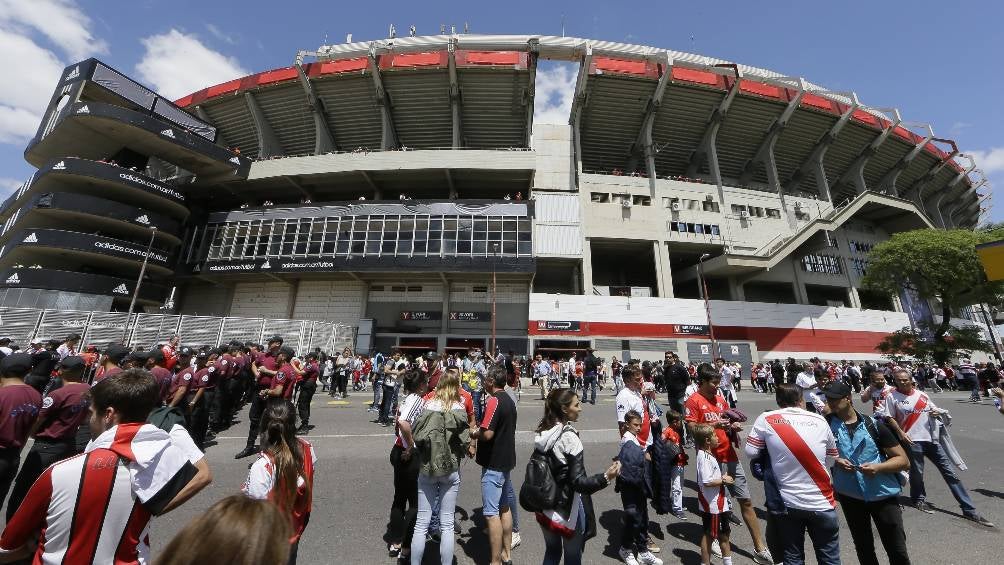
627,556
716,548
515,540
763,557
648,558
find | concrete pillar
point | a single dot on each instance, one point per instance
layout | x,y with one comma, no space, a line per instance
664,270
444,326
801,294
853,297
897,304
736,292
587,268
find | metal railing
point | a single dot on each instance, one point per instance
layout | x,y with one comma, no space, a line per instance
22,325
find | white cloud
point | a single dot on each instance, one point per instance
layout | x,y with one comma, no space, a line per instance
9,185
176,64
554,90
221,35
31,69
990,160
61,21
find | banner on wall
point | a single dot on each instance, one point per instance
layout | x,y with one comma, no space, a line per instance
919,312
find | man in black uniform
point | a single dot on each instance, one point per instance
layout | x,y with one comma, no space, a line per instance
200,398
19,406
264,368
43,363
308,385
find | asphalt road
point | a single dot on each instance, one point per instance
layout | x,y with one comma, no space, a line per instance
353,489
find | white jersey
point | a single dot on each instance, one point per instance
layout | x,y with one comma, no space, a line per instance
691,389
802,449
728,375
912,413
878,398
712,499
627,400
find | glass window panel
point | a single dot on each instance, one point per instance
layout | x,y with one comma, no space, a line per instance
450,247
463,247
480,247
342,247
372,247
435,246
524,249
387,247
328,248
435,223
509,248
357,247
420,247
404,247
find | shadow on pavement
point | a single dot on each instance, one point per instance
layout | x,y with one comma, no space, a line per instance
473,541
989,493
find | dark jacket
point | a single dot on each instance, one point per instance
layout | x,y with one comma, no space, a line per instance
635,472
677,380
663,460
590,364
569,473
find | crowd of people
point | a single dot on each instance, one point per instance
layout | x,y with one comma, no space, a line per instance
120,437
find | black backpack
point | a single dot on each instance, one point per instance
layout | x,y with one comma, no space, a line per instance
540,491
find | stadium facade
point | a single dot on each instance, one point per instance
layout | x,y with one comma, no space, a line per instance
400,186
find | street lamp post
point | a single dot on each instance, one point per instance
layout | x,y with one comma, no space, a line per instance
139,281
495,253
707,303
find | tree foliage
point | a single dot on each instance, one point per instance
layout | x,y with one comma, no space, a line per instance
937,264
958,341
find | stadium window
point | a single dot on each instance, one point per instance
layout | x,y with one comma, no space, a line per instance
710,206
619,198
600,197
639,200
772,212
400,288
479,289
802,216
738,209
414,289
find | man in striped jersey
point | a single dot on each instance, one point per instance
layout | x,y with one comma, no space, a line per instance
801,448
96,507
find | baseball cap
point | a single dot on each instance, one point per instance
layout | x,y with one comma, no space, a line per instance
836,390
202,354
16,364
116,352
72,362
185,352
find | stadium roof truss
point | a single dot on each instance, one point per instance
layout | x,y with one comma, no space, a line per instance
636,109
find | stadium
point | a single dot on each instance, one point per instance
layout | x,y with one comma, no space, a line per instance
400,186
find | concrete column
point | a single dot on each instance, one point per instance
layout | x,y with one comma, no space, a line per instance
897,304
664,270
736,292
801,294
853,297
587,268
444,326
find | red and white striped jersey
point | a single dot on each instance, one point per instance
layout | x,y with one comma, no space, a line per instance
712,499
912,413
96,507
802,449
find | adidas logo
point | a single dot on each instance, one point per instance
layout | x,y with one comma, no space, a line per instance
266,265
13,279
143,220
168,133
60,166
31,238
73,74
121,289
235,160
84,110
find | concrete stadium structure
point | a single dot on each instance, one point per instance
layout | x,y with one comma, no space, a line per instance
387,184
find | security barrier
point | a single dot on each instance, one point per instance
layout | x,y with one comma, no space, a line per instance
22,325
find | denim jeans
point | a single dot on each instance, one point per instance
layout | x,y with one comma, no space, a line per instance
823,531
634,536
933,451
676,490
510,494
476,398
589,387
556,544
435,492
377,392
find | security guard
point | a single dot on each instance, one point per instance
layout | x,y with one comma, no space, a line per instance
264,368
182,383
200,397
308,385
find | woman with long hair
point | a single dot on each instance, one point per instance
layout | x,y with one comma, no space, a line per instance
567,526
406,466
441,436
244,530
284,471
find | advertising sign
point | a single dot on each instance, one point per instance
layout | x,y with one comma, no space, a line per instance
419,315
559,326
470,316
691,329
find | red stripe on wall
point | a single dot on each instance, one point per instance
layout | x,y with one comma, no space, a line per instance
767,339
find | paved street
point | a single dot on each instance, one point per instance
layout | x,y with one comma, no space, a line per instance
353,491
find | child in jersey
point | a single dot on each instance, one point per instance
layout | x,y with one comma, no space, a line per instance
715,505
635,487
674,426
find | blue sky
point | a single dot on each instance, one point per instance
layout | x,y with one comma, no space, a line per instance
937,63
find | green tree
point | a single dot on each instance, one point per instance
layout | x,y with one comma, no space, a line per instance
937,264
959,341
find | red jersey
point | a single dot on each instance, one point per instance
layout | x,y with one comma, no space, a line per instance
669,435
465,397
103,373
700,410
170,358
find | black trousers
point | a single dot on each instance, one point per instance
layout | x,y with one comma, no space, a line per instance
42,454
307,390
254,416
200,417
888,518
10,458
221,405
343,382
404,508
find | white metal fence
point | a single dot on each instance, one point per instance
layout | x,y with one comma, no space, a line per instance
21,325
